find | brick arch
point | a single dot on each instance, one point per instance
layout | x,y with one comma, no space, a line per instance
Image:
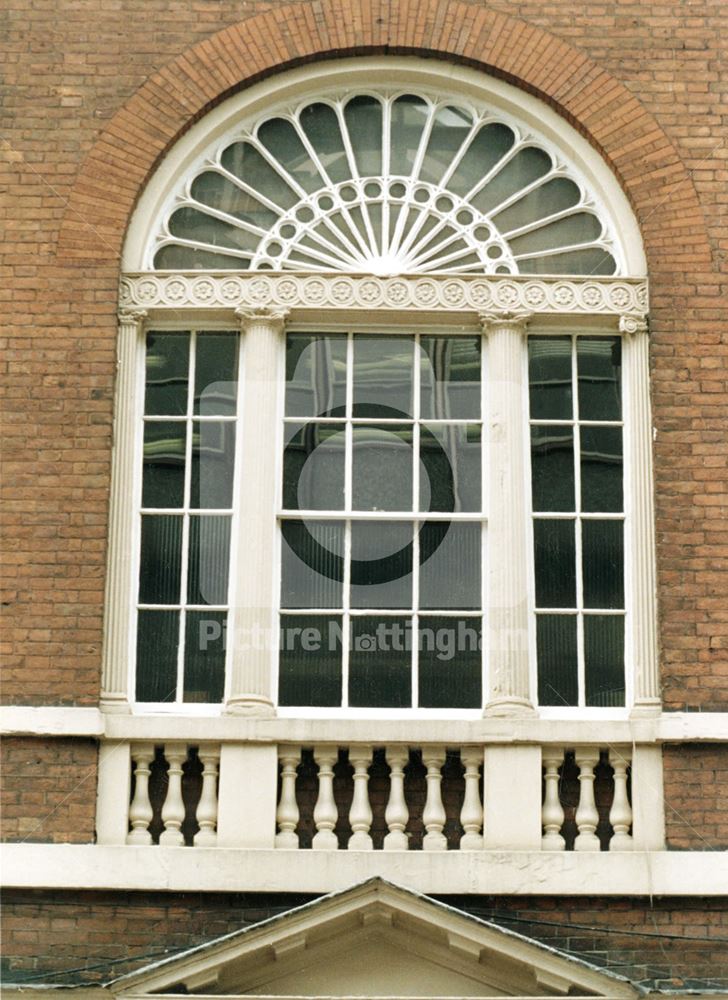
603,109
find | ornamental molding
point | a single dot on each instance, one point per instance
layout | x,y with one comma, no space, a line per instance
625,297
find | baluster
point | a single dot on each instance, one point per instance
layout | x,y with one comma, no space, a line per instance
552,813
587,816
471,815
173,810
620,815
287,814
396,813
206,836
433,815
324,813
140,809
360,814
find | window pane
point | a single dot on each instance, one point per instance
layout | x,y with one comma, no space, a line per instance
313,467
552,467
450,377
599,361
382,467
167,366
380,662
156,659
383,376
549,374
450,662
526,166
315,375
557,660
450,566
381,564
243,160
163,473
450,129
601,468
212,189
213,464
310,660
204,679
312,564
160,559
409,115
208,560
216,366
603,560
364,121
450,467
490,145
281,139
555,558
604,659
321,126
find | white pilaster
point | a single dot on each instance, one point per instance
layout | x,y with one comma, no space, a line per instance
648,798
112,795
512,798
246,811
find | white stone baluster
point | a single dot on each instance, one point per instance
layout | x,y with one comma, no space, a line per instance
360,814
396,813
471,815
433,815
325,813
587,816
140,809
620,815
552,813
287,814
173,810
206,836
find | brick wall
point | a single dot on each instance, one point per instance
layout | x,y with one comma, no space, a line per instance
696,784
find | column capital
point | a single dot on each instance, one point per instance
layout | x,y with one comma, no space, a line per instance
517,321
273,316
633,325
131,315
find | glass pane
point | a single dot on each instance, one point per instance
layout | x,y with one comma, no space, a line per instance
552,467
156,657
582,227
216,369
167,367
364,122
599,364
383,376
450,659
589,262
213,465
547,199
450,129
281,139
312,567
555,563
601,468
310,660
381,564
382,459
380,662
212,189
321,126
208,561
194,224
409,115
450,566
450,467
526,166
604,659
163,470
244,161
549,376
205,633
603,561
173,257
558,677
160,559
313,467
490,145
315,375
450,378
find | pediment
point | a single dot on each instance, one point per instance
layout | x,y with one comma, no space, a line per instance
374,939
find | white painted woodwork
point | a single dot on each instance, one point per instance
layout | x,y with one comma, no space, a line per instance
648,801
620,815
471,814
287,813
254,589
248,788
206,836
113,789
325,813
396,813
512,798
433,815
173,810
140,810
360,813
587,817
552,813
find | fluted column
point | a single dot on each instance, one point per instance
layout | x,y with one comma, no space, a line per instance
115,695
509,692
641,528
253,635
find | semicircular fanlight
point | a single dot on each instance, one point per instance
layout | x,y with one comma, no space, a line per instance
385,184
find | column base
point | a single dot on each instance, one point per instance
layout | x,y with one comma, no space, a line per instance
114,706
647,708
509,708
250,706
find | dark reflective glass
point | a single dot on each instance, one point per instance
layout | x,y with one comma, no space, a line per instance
381,564
450,566
602,544
552,467
450,128
310,660
312,564
450,467
601,468
321,125
313,467
208,560
363,115
167,369
599,366
590,261
383,376
216,373
315,375
555,563
213,465
163,469
528,164
380,662
489,145
160,559
382,460
604,659
450,662
204,677
558,672
283,141
450,378
156,657
549,377
244,161
409,116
